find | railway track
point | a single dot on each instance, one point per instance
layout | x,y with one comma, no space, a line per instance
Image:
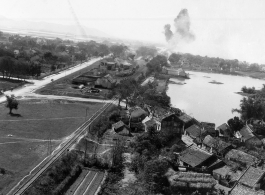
22,188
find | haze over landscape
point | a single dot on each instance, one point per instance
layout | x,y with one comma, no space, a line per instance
132,97
226,29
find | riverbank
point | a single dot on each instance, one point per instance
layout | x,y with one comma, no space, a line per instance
254,75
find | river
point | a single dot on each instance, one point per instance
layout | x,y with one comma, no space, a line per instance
206,101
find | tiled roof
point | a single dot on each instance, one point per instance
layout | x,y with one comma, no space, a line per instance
237,155
185,118
209,127
194,156
194,131
243,190
219,145
118,125
246,133
223,171
137,112
110,78
150,122
223,127
252,176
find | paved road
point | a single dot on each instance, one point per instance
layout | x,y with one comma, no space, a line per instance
29,88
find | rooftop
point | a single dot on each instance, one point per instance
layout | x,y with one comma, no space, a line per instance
237,155
223,127
209,127
217,144
185,118
246,133
194,156
194,131
252,176
243,190
118,125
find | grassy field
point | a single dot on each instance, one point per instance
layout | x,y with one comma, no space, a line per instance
7,84
39,120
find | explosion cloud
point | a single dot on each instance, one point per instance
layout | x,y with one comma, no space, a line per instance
182,29
168,32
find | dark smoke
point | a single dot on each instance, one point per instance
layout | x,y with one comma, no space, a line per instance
182,26
168,32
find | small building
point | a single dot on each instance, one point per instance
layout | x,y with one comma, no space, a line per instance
245,133
216,146
196,157
108,65
150,122
253,178
209,128
121,129
186,120
240,157
190,180
106,82
195,132
137,114
224,131
243,190
247,136
16,52
226,176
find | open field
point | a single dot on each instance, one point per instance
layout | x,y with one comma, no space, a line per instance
7,84
23,139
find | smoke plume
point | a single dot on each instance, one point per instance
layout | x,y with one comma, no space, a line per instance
182,33
168,32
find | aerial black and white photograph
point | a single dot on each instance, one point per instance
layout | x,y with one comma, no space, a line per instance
132,97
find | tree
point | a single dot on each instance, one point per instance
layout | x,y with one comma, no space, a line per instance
146,51
174,58
117,50
12,103
251,108
235,124
155,65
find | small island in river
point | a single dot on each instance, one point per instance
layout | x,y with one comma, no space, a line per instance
216,82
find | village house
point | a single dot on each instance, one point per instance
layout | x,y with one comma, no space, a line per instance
243,190
161,119
16,52
247,136
186,121
226,176
224,131
195,132
209,128
241,158
196,157
196,181
106,82
137,114
121,129
250,182
216,146
107,65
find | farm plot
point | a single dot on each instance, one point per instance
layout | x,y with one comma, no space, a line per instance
24,136
87,183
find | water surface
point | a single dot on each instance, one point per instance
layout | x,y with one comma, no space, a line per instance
210,102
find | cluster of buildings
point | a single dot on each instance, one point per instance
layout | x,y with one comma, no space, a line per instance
208,152
108,73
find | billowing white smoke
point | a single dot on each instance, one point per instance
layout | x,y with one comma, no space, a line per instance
183,34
